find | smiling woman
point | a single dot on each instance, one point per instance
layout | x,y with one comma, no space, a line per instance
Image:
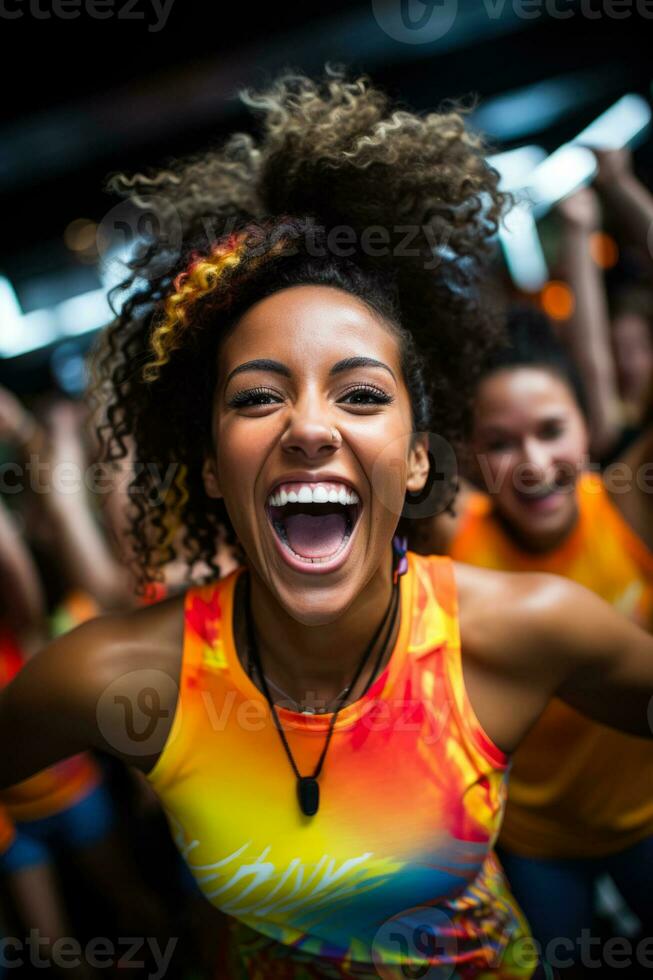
351,833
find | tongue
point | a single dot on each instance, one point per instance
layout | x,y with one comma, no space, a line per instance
315,537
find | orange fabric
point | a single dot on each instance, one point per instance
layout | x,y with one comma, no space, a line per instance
7,832
52,790
577,788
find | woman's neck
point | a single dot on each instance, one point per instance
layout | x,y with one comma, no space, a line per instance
542,544
313,664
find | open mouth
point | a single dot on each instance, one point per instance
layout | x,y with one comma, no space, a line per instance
313,522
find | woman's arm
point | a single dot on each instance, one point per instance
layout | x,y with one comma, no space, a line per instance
528,637
23,600
630,200
63,498
83,549
606,659
109,684
587,333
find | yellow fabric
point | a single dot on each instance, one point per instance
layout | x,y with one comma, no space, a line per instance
577,788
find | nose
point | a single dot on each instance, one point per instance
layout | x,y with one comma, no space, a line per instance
536,461
310,433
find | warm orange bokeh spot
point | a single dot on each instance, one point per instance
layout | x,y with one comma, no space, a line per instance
603,249
557,300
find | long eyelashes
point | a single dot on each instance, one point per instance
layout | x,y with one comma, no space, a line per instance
356,395
253,397
366,395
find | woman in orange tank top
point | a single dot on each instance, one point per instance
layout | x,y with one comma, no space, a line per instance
328,727
580,801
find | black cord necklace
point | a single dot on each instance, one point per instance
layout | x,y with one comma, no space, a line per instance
308,790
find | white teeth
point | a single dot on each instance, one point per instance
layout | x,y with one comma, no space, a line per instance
320,494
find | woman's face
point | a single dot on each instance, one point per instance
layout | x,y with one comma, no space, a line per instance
313,450
530,443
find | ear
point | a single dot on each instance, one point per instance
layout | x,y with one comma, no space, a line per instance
210,478
418,464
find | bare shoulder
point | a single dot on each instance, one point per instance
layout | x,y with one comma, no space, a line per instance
132,676
476,585
509,626
152,636
100,686
98,651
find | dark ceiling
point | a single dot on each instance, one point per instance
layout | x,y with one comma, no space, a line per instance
85,96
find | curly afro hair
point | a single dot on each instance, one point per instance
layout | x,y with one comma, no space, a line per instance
340,189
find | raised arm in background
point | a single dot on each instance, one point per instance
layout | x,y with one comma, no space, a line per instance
62,497
23,604
84,549
586,334
629,200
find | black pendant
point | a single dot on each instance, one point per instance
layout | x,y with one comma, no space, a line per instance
308,792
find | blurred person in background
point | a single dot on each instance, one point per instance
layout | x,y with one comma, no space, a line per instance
580,796
27,868
65,811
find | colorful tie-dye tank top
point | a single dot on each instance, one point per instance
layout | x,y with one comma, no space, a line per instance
577,788
396,872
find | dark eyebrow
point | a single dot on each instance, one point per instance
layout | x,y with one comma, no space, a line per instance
260,364
357,362
347,364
